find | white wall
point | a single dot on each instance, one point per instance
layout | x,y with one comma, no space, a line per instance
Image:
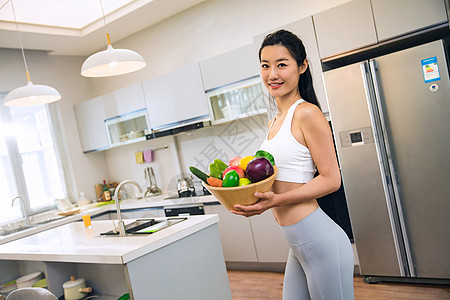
203,31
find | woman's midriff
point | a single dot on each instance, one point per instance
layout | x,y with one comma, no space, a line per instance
292,213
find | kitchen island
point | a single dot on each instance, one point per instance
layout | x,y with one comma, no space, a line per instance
100,208
183,261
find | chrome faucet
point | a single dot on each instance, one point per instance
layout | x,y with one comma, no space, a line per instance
24,210
122,231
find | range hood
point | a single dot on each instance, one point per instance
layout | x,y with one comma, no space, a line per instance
179,127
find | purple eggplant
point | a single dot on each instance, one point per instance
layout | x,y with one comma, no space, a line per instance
259,169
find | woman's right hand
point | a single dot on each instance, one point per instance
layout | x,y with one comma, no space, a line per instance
266,201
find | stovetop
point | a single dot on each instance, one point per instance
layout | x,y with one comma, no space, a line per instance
189,193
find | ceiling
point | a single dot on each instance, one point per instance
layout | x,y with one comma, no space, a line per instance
76,27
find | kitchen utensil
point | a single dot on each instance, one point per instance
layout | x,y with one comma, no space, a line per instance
153,187
150,179
243,195
147,180
75,289
28,280
185,187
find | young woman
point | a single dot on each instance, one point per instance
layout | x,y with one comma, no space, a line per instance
320,262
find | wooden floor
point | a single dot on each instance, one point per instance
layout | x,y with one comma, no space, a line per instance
269,285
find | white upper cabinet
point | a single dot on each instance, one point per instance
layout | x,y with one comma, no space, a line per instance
126,115
176,98
344,28
397,17
232,85
362,23
124,101
230,67
304,29
90,116
113,119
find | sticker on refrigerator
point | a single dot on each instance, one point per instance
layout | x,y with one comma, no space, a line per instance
430,69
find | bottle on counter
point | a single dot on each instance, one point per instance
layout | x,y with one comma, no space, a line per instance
82,201
106,192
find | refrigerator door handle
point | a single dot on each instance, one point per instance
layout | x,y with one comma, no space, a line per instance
379,133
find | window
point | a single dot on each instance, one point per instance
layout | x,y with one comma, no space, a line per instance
31,159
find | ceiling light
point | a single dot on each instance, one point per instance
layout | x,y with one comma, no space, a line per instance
112,62
30,94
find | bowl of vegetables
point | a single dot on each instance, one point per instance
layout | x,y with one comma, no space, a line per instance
236,182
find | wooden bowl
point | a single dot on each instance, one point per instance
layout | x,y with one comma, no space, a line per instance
242,195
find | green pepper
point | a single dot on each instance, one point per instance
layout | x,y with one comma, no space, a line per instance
262,153
216,168
231,179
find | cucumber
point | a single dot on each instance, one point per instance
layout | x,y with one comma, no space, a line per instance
202,176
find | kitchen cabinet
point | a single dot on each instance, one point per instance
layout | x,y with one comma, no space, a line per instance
396,17
90,116
126,115
230,67
128,128
176,98
235,234
304,29
362,23
345,27
124,101
114,119
271,245
240,100
232,85
256,239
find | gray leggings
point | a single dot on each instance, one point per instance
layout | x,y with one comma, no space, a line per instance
320,262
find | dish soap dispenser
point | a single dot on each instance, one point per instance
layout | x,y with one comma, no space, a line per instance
82,201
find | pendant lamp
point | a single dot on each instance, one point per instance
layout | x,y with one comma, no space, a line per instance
111,62
30,94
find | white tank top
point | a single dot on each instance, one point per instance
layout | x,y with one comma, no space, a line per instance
293,159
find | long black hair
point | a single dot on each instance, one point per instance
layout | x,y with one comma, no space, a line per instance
296,48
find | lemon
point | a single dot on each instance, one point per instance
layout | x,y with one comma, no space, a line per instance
244,181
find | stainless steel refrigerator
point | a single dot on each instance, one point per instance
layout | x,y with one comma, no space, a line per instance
391,122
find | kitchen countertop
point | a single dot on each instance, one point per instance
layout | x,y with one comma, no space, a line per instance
75,243
93,210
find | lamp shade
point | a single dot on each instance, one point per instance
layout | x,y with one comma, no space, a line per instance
31,95
112,62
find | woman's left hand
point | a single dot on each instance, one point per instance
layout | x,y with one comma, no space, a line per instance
266,201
